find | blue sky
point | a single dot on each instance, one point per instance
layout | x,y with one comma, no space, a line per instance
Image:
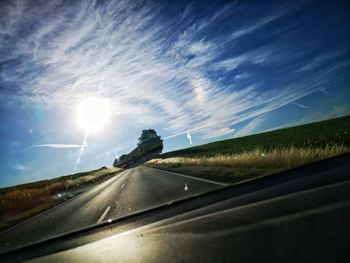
218,69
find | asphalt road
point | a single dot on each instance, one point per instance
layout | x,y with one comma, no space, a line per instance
308,226
131,191
298,215
301,215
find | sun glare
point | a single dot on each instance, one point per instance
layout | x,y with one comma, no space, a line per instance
93,114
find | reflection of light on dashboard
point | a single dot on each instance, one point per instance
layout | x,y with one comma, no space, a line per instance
129,246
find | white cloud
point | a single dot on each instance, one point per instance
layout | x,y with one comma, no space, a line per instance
300,105
198,47
255,26
320,60
255,57
324,91
243,76
19,167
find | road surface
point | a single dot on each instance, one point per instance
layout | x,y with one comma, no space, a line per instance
308,226
298,215
131,191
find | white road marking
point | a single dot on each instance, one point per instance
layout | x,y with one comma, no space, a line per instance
123,186
194,178
103,215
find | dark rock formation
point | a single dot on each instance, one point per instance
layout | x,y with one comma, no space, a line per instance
148,147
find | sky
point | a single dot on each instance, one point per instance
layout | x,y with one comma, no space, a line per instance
195,72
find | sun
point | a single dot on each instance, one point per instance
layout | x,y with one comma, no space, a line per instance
93,114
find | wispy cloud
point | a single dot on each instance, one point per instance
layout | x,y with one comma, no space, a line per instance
250,128
19,167
156,71
300,105
218,132
324,91
252,57
243,76
248,29
321,60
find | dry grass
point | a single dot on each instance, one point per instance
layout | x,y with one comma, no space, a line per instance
248,164
19,203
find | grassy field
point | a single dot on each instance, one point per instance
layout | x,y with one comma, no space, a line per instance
234,168
242,158
314,135
20,202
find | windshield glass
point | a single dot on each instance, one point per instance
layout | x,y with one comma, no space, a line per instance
109,108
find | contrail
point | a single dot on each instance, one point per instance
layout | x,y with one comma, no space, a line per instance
61,146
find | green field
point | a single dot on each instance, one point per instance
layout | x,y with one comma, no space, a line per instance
334,132
261,154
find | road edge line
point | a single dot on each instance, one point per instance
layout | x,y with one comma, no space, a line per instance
191,177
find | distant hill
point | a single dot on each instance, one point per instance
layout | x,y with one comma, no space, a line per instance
318,134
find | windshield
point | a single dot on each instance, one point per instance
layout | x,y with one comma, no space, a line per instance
109,108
